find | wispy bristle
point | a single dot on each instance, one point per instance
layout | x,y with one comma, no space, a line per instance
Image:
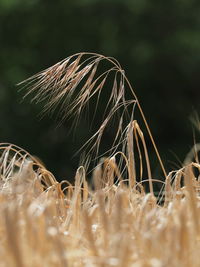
69,86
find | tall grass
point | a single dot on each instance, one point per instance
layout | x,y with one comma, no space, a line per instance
114,223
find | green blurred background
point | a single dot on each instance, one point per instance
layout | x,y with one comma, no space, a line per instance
156,42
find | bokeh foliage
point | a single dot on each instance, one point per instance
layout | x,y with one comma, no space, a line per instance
157,43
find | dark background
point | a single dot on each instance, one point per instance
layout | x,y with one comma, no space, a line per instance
156,42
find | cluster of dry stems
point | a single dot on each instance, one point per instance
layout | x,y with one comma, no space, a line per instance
116,223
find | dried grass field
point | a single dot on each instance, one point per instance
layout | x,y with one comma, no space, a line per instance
114,220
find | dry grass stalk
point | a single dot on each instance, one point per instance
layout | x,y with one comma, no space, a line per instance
111,226
118,223
70,84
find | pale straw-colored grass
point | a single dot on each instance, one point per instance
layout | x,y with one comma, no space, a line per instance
117,222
